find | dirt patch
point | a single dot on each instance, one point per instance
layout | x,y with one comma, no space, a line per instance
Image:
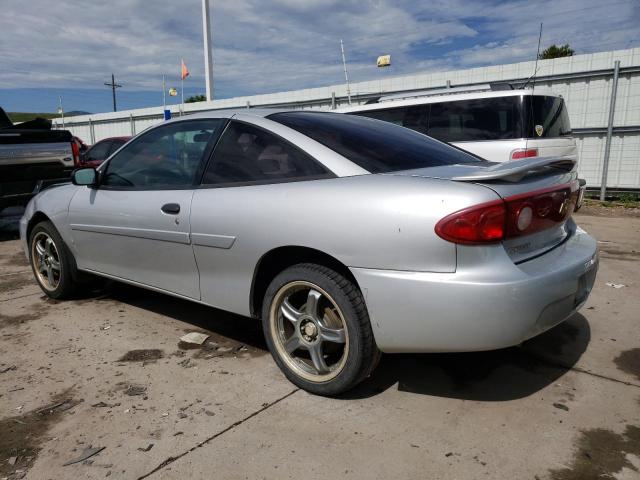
14,282
15,259
37,311
219,346
609,209
147,355
629,362
609,250
22,436
600,453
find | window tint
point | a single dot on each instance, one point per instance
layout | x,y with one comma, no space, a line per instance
376,146
249,154
99,151
548,112
165,157
116,144
479,119
414,117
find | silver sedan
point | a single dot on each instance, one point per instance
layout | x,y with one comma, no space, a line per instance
346,236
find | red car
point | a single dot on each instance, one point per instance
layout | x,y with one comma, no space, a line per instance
100,151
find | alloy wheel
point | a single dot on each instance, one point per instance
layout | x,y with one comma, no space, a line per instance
309,331
46,261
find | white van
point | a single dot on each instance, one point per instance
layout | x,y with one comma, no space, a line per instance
497,125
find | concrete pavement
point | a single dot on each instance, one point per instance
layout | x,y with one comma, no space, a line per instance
109,371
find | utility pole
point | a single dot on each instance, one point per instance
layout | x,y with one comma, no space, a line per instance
113,86
208,59
346,75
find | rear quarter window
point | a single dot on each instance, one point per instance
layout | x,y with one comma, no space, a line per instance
547,112
376,146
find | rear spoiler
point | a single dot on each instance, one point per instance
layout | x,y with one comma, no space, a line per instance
516,170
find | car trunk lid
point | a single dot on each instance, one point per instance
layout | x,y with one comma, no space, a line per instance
547,185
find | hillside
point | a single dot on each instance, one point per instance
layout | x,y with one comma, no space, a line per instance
26,116
17,117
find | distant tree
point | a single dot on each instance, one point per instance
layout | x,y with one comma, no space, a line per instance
555,51
195,98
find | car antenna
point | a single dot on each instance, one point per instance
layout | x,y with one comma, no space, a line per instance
533,86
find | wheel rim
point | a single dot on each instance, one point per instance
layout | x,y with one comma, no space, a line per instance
46,261
309,331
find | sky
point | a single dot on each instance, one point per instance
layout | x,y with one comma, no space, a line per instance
70,48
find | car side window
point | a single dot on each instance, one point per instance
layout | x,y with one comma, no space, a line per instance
164,157
248,154
476,120
99,151
414,117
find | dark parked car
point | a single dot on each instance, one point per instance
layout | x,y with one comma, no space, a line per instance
100,151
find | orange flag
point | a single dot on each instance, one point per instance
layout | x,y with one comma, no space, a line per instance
185,71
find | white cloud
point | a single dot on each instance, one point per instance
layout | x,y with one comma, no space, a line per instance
265,46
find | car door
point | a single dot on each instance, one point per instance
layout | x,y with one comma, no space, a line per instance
250,171
135,224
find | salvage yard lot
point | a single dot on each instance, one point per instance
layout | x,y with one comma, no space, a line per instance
109,371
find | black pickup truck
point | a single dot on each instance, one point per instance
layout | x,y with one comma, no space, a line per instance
32,157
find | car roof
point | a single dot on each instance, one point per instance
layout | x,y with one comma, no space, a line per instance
442,96
121,137
231,112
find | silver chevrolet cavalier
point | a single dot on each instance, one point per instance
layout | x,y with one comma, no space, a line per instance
346,236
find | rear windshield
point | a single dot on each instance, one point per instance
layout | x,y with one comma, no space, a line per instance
482,119
375,146
545,117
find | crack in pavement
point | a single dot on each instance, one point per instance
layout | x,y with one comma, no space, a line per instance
172,459
562,366
21,296
15,273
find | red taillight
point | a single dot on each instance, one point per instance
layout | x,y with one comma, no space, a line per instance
524,153
75,150
512,217
548,207
480,224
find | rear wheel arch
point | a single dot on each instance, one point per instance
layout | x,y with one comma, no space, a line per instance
278,259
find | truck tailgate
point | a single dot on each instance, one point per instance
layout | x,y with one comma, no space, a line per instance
23,153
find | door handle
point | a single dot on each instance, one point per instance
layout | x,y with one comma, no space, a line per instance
171,208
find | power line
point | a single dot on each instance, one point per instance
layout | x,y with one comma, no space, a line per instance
113,86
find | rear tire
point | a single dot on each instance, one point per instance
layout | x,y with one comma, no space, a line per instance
52,262
317,328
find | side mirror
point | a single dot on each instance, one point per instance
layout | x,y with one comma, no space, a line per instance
84,176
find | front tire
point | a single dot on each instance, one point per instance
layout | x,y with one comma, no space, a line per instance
52,263
317,329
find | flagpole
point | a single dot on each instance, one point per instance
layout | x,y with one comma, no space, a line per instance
181,87
164,93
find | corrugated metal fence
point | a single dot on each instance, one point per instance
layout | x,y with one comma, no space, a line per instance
585,82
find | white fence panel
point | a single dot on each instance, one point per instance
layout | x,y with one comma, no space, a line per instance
585,81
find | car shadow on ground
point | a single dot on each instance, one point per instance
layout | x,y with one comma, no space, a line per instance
498,375
240,329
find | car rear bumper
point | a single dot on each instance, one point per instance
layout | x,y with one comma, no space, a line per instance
488,303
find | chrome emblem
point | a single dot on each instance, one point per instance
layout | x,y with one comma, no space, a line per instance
539,130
